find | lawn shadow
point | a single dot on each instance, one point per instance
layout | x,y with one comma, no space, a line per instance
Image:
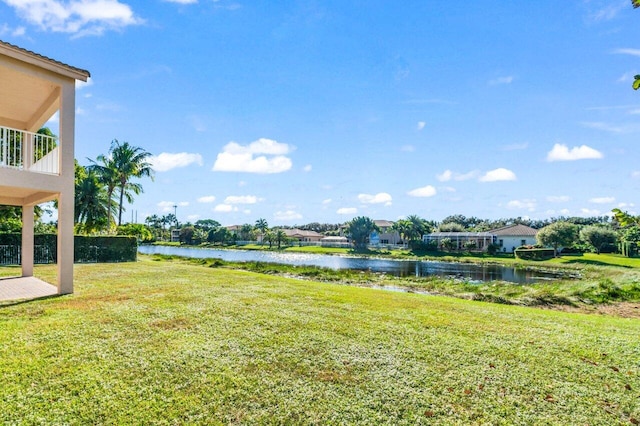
9,303
595,263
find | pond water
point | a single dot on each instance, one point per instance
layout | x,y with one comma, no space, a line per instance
399,268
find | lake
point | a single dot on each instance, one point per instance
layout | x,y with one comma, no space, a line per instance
399,268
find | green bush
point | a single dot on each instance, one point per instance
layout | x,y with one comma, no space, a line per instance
534,254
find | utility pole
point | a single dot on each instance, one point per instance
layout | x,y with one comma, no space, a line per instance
175,213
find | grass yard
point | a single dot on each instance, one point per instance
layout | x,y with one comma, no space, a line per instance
171,342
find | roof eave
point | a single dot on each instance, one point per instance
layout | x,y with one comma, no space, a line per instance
33,58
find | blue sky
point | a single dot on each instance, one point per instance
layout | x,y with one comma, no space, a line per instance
320,111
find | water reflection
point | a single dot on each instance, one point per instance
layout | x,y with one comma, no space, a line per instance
399,268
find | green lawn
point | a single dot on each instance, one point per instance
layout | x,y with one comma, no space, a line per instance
174,343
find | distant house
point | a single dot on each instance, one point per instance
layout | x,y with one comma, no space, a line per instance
303,236
511,237
386,235
480,240
234,229
508,238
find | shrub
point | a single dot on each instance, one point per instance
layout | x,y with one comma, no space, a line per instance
534,254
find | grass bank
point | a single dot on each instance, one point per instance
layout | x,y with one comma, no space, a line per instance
172,342
597,284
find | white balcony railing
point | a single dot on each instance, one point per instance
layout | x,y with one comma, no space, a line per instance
28,151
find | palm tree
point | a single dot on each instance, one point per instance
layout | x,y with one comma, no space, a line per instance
130,162
92,207
106,173
417,227
280,237
262,226
402,227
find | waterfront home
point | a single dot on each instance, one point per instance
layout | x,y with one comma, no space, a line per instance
302,235
507,238
511,237
36,168
475,241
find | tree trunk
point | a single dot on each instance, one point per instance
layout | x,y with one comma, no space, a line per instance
121,202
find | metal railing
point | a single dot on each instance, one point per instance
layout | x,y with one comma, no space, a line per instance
29,151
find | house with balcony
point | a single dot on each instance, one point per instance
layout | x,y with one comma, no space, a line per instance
36,168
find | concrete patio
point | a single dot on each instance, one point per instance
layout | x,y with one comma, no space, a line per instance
25,288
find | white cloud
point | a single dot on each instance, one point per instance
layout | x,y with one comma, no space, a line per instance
84,84
287,215
182,1
16,32
590,212
225,208
499,174
602,200
526,204
421,125
307,168
407,148
327,201
81,17
238,158
169,206
565,212
558,198
380,198
207,199
347,210
465,176
425,191
167,161
561,152
626,51
502,80
241,199
445,176
606,13
193,217
598,125
635,174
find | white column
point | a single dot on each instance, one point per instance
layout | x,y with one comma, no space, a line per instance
66,197
27,241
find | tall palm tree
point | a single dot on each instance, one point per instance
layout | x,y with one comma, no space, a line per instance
106,172
130,162
402,227
262,226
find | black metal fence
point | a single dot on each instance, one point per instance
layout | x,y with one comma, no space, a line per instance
87,249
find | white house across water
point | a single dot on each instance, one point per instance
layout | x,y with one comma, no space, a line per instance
507,238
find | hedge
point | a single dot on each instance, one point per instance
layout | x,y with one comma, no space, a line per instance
534,254
87,249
